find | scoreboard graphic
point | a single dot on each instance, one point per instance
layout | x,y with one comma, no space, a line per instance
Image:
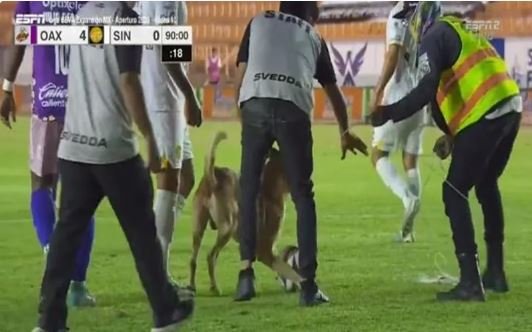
176,41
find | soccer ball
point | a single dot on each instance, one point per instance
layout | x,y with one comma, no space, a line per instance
289,254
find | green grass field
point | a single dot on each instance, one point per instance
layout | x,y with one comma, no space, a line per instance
371,280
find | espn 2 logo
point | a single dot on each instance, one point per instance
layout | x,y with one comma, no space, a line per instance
483,28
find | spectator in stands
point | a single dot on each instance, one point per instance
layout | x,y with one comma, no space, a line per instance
213,69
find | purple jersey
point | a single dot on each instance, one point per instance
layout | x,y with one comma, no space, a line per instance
50,63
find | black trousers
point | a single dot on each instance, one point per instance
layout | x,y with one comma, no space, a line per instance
479,158
264,121
128,187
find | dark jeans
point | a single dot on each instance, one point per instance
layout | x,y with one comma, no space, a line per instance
479,158
128,187
264,121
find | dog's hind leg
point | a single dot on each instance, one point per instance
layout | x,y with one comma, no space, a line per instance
224,235
277,264
268,232
200,218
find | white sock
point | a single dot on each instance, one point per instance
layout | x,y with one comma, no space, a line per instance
180,205
392,179
165,212
414,181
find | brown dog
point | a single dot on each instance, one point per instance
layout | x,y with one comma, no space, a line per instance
216,202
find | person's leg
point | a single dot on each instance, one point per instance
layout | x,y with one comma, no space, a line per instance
470,158
45,136
186,176
489,197
43,179
411,150
256,142
79,295
77,206
413,175
292,132
167,133
384,142
129,189
165,210
43,208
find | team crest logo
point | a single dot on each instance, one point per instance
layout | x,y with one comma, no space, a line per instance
96,35
423,67
21,36
349,66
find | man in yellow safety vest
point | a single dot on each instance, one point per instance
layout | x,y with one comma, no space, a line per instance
478,106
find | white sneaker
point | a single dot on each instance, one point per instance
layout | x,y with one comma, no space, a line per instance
411,210
406,238
167,328
38,329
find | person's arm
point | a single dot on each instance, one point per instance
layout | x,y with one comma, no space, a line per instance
338,103
395,35
241,62
128,58
13,59
177,73
420,96
174,13
326,76
435,54
14,56
390,63
239,77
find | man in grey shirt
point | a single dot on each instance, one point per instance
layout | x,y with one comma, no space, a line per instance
99,157
280,55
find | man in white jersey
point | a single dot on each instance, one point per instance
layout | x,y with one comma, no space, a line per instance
167,88
397,79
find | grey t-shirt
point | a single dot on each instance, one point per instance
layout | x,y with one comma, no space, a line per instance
98,127
283,54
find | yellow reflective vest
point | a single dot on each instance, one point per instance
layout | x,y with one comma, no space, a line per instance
475,83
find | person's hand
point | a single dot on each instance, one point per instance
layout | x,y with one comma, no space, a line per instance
154,160
351,142
194,114
378,116
8,109
443,146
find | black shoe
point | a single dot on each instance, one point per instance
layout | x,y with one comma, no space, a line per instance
311,295
470,286
463,292
184,310
495,281
184,293
245,290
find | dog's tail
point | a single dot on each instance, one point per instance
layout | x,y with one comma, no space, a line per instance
210,158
